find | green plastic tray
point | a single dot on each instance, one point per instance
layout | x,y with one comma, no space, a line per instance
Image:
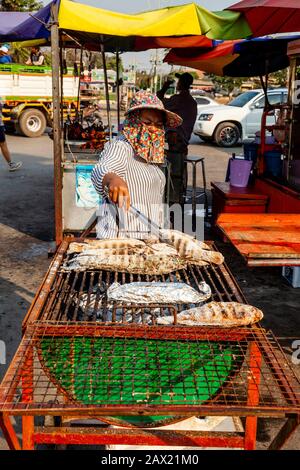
98,371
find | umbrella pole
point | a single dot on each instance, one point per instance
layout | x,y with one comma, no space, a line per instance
61,86
106,89
57,144
79,77
118,87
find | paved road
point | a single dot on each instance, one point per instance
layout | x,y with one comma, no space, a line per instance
26,231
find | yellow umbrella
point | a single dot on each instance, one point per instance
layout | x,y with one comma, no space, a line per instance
189,19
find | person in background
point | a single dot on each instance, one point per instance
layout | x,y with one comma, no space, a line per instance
5,58
13,166
36,57
185,106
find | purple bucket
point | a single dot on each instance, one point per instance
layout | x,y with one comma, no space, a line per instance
240,172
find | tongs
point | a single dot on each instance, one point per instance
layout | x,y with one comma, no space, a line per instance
155,228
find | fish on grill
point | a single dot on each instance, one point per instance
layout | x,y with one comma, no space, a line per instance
152,264
139,257
190,248
221,314
117,244
158,293
163,249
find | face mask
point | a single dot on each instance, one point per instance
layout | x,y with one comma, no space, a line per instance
147,141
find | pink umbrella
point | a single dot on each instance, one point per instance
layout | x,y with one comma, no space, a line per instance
270,16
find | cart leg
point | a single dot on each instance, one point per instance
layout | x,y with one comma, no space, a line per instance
9,432
27,431
285,432
253,395
27,396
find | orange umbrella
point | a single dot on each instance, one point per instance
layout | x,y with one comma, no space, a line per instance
145,43
212,61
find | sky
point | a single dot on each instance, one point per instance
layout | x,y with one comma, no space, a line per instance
142,59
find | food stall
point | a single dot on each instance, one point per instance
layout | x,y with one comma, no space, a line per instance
273,238
87,352
267,232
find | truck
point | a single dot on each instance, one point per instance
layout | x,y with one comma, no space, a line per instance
26,95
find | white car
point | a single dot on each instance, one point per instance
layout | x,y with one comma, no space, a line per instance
203,101
240,119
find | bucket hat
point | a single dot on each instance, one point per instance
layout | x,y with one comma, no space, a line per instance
146,100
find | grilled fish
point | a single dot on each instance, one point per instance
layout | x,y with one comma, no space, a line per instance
158,293
117,244
191,249
221,314
152,264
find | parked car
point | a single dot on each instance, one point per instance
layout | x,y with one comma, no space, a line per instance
239,120
203,101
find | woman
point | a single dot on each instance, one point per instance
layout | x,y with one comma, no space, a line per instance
129,169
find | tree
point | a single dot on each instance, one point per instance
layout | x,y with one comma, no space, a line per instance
19,54
280,77
92,59
226,83
21,5
143,80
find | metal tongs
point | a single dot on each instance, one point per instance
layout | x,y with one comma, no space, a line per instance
155,228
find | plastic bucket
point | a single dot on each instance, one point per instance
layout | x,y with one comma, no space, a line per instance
240,172
273,163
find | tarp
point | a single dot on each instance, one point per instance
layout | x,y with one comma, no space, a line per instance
10,20
90,24
270,16
25,26
244,58
143,44
189,19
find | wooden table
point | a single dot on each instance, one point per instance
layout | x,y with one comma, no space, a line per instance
232,199
264,239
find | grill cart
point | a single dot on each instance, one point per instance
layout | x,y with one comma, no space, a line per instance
73,365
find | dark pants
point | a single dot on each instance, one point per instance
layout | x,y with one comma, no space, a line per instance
176,156
2,134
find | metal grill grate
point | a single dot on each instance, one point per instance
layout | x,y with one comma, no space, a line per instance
80,296
155,370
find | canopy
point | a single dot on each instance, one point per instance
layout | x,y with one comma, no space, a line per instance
17,26
270,16
89,25
9,20
143,44
189,19
244,58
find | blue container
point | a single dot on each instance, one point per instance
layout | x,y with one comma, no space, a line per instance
273,163
250,151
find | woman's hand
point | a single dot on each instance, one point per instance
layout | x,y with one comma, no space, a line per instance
117,190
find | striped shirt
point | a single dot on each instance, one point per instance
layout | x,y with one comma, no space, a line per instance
146,183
